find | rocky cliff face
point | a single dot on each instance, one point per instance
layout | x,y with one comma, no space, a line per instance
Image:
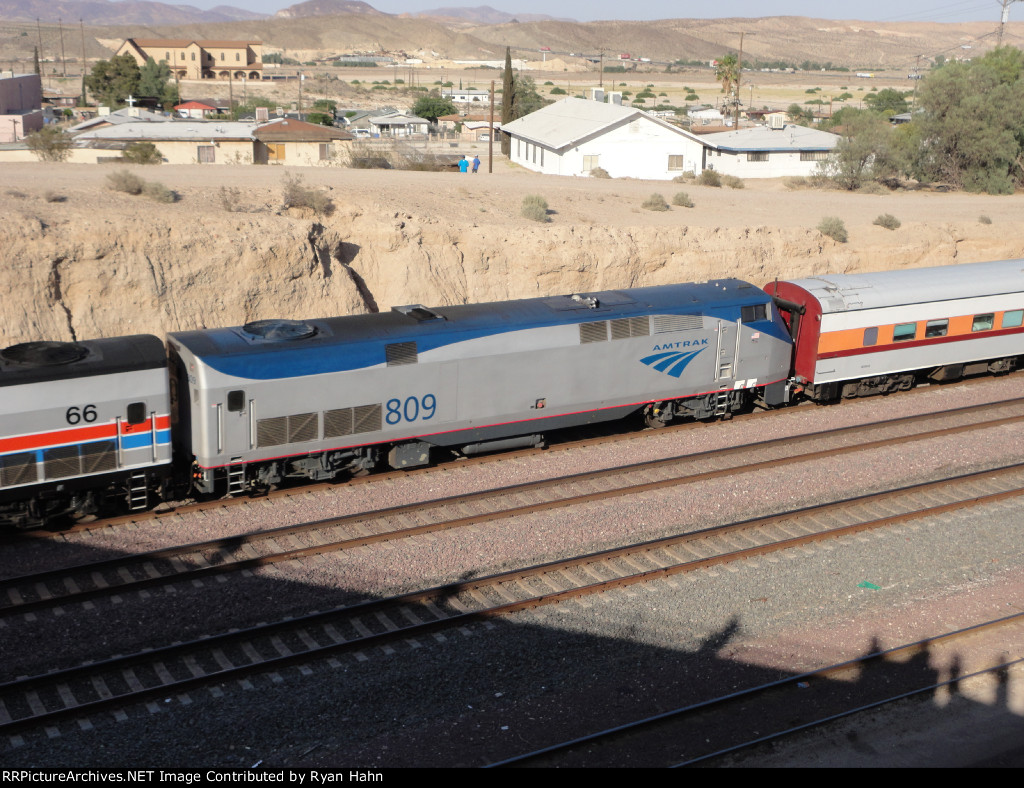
109,274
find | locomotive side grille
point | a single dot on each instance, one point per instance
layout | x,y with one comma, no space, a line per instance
366,418
302,427
663,324
272,432
626,327
401,353
18,469
593,332
62,461
97,457
337,422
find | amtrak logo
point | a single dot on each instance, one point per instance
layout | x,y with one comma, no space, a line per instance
671,363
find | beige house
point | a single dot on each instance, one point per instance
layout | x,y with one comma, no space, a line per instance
189,59
290,141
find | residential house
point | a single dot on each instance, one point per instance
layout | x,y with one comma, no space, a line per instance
288,141
575,136
191,59
105,117
767,152
179,141
197,110
460,96
21,105
398,124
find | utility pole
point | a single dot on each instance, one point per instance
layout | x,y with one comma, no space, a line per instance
39,33
490,137
63,60
84,63
739,74
1004,17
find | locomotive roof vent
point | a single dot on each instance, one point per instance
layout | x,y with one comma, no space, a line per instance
279,330
418,312
44,354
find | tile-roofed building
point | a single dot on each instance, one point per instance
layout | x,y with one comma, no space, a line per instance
192,59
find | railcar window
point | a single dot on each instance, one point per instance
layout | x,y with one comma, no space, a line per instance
870,336
904,332
983,322
936,328
136,413
236,401
1013,319
753,312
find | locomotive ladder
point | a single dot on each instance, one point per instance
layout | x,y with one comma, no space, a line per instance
138,492
236,479
721,403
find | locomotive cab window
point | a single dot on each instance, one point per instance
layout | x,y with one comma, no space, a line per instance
936,328
904,332
753,312
1013,319
983,322
136,413
870,336
236,401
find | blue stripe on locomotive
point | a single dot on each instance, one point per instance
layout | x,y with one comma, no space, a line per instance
357,341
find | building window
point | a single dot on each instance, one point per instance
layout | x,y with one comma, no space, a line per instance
757,155
813,155
193,56
167,55
222,57
325,151
590,163
675,162
238,56
206,154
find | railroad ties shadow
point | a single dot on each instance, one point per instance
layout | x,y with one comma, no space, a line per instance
479,691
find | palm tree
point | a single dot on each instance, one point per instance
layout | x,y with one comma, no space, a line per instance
728,73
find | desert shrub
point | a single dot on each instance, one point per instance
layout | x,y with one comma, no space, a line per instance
230,199
984,219
158,192
709,178
655,203
535,207
732,181
686,176
833,227
682,199
49,144
51,196
872,187
297,195
124,181
142,153
599,172
888,221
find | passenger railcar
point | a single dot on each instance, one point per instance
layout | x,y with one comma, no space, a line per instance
274,399
861,334
80,423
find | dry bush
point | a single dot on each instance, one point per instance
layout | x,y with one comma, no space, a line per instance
655,203
888,221
732,181
682,199
984,219
709,178
51,196
124,181
298,195
599,172
535,208
158,192
833,227
686,176
142,153
872,187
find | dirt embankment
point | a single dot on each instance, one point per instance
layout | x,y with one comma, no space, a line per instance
83,261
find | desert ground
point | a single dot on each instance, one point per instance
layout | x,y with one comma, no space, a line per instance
82,260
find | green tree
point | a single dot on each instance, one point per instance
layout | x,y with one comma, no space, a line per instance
799,115
320,117
112,81
527,99
433,106
972,123
864,153
508,98
153,78
888,101
728,72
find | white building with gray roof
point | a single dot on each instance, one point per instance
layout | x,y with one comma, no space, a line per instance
766,152
575,136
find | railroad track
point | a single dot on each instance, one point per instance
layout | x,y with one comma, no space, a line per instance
708,731
64,586
117,682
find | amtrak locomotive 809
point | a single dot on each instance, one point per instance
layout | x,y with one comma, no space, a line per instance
228,410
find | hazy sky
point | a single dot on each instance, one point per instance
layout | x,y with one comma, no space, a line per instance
586,10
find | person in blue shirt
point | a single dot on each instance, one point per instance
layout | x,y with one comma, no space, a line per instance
463,164
476,164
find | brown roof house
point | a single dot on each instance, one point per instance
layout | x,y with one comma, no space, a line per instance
189,59
290,141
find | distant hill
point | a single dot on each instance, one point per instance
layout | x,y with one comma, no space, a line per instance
485,15
127,12
327,8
